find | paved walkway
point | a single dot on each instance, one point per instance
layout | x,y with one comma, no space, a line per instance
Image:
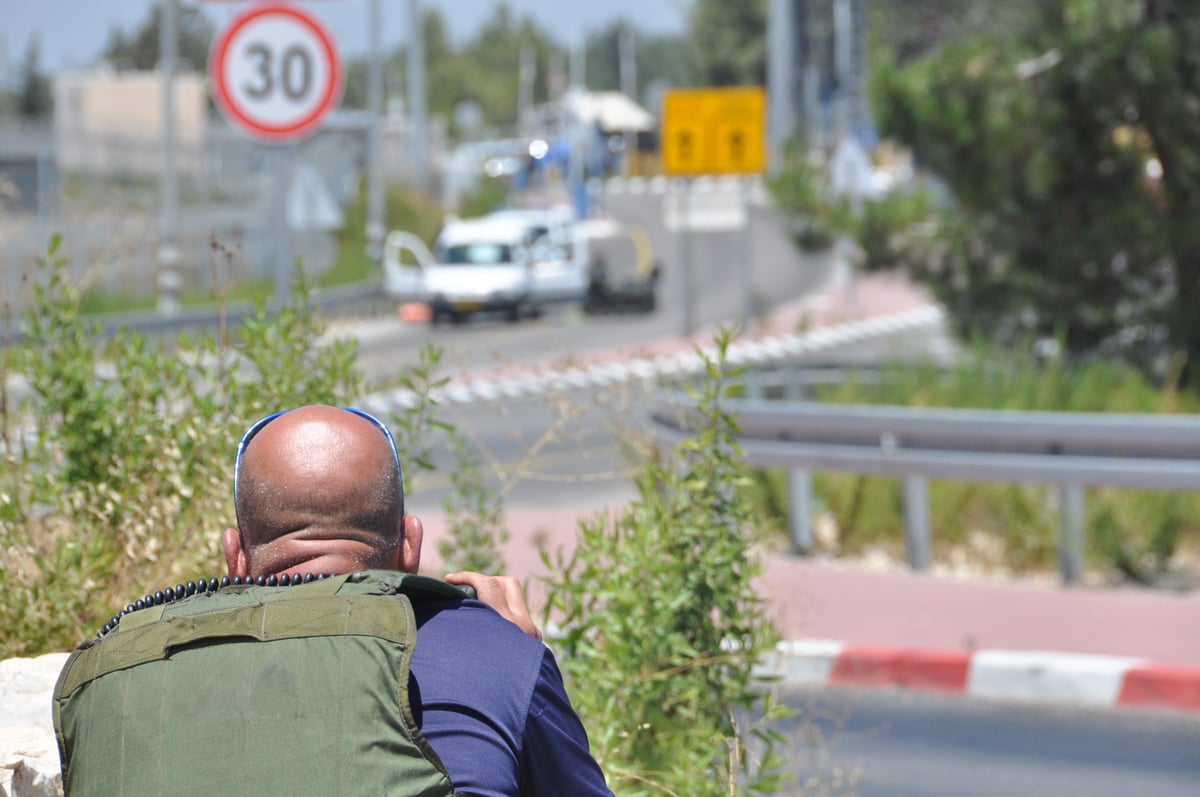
847,623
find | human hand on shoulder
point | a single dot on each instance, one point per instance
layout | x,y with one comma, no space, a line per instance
502,593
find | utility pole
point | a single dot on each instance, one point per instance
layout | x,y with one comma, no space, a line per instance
375,229
526,76
416,95
842,63
628,65
814,32
849,24
781,87
858,60
169,281
578,136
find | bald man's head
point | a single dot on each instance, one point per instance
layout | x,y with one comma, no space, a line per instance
319,489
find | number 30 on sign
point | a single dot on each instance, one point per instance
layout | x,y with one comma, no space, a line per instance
275,72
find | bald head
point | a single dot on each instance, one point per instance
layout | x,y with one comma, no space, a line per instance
319,490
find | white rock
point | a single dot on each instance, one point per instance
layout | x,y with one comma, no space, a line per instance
29,765
26,686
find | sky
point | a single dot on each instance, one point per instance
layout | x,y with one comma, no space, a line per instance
73,32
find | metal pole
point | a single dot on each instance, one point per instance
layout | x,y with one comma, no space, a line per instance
280,235
628,64
746,269
525,77
576,171
685,259
169,281
800,511
843,62
814,35
1070,548
375,196
416,95
858,110
916,522
781,37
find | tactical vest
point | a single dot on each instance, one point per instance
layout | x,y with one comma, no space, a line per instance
249,690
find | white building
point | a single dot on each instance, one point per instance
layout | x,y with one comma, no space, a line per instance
111,122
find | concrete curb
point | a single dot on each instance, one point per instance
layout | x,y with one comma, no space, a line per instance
1034,676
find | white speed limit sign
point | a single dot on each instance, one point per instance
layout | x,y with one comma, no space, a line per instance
275,72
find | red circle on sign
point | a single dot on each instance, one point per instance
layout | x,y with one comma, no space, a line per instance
226,100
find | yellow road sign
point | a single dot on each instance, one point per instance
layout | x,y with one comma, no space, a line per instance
714,131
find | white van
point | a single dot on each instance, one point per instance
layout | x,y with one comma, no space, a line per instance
509,262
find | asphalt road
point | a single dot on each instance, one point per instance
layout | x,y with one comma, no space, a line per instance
778,272
886,743
568,447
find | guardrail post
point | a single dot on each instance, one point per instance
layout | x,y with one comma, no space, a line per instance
916,522
793,384
1070,547
800,511
754,384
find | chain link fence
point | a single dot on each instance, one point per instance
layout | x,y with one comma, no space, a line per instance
110,215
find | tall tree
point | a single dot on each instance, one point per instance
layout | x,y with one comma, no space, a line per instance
141,48
34,97
604,56
1074,167
729,42
486,69
905,30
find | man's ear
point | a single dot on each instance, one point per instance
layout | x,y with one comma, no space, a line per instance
409,555
235,556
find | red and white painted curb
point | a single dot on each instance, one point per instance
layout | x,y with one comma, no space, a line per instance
1092,680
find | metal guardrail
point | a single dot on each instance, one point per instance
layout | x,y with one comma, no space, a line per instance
1069,450
343,301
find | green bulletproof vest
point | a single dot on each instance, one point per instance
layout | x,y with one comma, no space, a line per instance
249,690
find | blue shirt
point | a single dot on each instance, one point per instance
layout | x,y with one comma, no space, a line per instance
491,702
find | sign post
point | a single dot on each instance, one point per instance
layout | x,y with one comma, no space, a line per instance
275,74
714,131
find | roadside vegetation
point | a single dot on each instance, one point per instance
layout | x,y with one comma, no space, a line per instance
1132,535
1052,215
117,481
404,209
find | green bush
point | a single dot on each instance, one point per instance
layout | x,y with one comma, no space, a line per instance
405,209
661,627
801,191
118,460
885,226
491,194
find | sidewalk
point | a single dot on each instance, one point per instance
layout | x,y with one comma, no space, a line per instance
852,624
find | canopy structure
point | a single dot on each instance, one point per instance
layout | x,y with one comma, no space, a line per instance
611,111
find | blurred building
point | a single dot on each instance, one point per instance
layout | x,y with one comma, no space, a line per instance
109,122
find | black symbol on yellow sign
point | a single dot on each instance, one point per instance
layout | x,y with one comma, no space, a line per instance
737,148
687,152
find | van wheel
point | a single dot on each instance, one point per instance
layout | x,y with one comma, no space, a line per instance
515,312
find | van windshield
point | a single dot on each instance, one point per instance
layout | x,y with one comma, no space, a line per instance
478,254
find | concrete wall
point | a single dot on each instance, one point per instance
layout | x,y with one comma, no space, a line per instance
109,122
